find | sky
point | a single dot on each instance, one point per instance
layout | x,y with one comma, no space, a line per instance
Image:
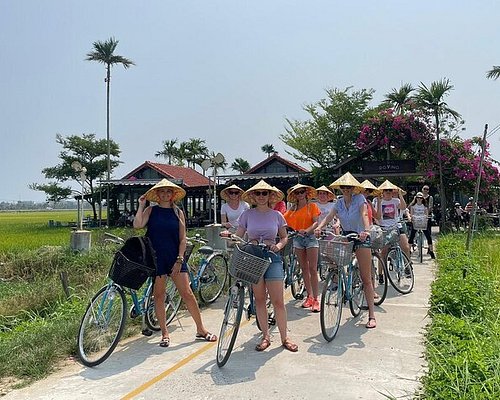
227,71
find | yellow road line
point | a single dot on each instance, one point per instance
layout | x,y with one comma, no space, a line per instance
180,364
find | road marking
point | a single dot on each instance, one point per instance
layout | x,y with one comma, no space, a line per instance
174,368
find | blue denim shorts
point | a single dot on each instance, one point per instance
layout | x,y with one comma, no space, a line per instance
275,271
305,242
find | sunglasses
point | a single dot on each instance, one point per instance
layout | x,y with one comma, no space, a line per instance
233,192
261,193
301,191
426,189
343,187
388,190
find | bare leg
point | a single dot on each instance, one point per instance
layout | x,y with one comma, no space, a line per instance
260,296
312,264
159,289
302,257
364,261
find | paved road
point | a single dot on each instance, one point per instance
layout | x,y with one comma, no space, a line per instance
357,364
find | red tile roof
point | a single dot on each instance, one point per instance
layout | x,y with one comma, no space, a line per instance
190,177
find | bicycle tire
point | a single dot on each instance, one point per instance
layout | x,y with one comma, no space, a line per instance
102,325
213,277
297,286
356,291
172,304
420,241
401,277
380,288
233,311
332,297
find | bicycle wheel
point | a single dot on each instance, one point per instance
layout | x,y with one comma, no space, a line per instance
231,323
356,292
213,277
331,305
400,271
102,325
379,283
420,243
297,285
172,304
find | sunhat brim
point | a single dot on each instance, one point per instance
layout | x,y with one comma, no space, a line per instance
261,185
292,195
347,180
224,192
331,195
178,192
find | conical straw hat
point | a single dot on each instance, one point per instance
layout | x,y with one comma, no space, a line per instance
347,180
366,184
388,185
292,196
331,195
278,194
178,192
225,196
261,185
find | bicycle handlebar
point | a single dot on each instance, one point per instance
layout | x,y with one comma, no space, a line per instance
113,238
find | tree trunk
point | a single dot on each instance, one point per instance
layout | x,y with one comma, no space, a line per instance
108,174
442,194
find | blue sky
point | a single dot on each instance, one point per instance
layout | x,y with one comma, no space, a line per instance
229,72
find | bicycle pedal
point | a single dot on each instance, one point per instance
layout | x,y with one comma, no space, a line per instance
133,313
147,332
271,321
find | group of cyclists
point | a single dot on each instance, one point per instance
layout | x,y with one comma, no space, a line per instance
261,215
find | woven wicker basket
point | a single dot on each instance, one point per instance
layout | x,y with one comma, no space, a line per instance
246,266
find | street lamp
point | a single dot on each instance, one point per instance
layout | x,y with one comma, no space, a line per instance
213,163
77,167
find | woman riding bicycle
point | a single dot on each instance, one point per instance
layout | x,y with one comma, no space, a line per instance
262,224
419,209
351,210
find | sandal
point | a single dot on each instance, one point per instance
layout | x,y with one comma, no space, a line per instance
207,337
372,323
290,346
263,345
165,342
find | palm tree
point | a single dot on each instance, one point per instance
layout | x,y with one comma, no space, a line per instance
103,53
170,150
194,151
494,73
399,99
431,98
268,149
240,165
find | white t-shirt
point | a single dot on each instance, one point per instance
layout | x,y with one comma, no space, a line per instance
418,210
232,214
325,209
390,212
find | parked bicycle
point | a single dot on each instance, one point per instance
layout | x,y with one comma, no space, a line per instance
103,323
209,277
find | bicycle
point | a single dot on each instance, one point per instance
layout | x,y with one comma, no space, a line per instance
209,279
340,285
419,224
247,268
103,323
293,272
399,268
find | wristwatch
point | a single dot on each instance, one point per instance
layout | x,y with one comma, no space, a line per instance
179,259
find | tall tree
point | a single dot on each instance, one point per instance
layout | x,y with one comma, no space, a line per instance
400,99
104,53
170,150
194,151
432,99
268,149
240,165
91,154
494,73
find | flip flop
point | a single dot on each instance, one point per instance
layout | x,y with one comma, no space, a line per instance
165,342
208,337
370,324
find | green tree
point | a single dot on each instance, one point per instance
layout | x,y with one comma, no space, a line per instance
432,99
194,151
104,53
400,99
494,73
91,154
329,136
268,149
170,150
240,165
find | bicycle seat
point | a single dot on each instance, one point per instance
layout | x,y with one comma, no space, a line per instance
206,250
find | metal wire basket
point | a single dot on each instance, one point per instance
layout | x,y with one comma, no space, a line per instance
419,222
246,266
128,273
337,250
391,236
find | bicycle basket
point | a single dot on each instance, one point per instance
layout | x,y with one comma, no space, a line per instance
337,250
419,222
247,267
128,273
391,236
133,263
376,237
